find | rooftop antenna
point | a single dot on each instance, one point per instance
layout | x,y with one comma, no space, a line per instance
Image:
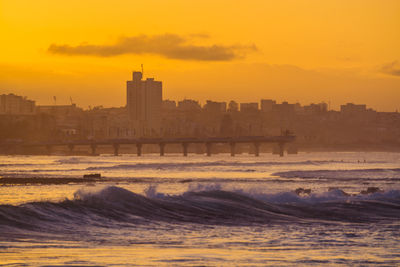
142,69
70,99
55,100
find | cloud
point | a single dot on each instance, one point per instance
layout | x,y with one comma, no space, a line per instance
170,46
392,68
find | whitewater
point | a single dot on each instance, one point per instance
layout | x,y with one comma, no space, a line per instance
309,209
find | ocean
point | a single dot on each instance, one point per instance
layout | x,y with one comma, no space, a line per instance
309,209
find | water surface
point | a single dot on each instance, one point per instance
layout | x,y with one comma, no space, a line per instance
199,210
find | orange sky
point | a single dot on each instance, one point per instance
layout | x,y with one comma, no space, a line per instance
307,51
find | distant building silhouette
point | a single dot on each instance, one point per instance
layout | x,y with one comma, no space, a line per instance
67,117
248,107
285,109
144,101
59,110
233,106
266,105
168,105
147,115
315,109
351,108
227,125
189,105
16,105
215,107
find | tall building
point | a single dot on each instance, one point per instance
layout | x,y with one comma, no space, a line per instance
144,101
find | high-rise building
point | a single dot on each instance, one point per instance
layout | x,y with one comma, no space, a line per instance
144,101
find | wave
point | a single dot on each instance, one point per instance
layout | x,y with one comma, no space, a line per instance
116,207
180,165
376,173
16,164
80,160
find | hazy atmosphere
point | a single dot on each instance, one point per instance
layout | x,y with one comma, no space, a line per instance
200,133
298,51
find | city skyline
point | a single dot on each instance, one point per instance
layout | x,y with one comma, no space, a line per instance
295,51
239,95
147,84
146,114
170,102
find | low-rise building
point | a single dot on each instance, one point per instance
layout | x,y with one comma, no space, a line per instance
16,105
215,107
248,107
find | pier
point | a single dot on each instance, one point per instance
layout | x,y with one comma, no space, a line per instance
209,142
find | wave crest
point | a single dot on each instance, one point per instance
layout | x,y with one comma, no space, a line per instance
113,206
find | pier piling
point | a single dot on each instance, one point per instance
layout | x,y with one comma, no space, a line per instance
138,149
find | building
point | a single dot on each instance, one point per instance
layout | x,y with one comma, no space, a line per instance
16,105
285,109
189,105
315,109
350,109
144,102
168,105
61,111
266,105
233,106
215,107
104,123
248,107
68,118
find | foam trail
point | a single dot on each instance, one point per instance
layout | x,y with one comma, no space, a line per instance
378,173
221,163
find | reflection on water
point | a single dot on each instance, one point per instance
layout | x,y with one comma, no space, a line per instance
203,211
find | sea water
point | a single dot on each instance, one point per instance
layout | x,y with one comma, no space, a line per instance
305,209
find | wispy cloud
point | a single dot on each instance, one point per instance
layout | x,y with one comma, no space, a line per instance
392,68
167,45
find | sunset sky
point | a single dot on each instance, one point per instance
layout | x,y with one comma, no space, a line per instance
307,51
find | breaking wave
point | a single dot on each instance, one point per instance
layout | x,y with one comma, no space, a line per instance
117,207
